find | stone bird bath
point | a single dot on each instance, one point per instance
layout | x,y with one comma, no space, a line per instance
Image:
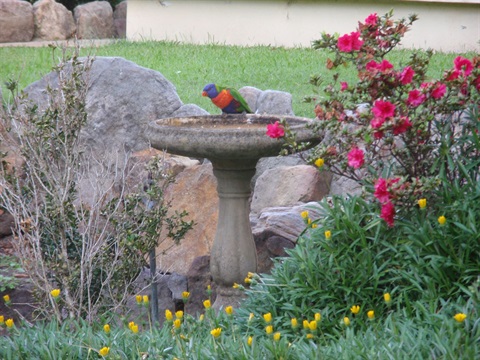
234,144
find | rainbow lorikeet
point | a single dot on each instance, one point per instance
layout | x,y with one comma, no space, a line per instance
227,99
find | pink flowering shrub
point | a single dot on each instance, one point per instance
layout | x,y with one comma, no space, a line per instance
391,129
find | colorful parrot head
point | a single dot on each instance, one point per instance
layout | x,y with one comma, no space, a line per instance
210,90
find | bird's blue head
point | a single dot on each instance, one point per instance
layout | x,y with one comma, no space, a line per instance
210,90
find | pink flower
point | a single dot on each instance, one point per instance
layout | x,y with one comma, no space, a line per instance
344,86
388,213
383,109
415,98
406,76
463,64
371,19
402,125
371,65
377,122
452,75
275,131
356,158
439,90
382,66
381,191
349,42
385,65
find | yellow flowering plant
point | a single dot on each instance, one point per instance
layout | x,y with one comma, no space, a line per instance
104,351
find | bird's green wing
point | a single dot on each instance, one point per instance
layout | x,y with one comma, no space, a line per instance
236,95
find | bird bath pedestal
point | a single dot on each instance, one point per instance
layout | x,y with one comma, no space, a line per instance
234,144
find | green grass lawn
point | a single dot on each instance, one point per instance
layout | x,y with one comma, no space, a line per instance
190,67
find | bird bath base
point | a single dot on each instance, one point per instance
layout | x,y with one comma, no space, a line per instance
234,144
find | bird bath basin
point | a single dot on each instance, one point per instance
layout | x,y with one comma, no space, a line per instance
234,144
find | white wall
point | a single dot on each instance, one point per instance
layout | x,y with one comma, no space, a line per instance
443,25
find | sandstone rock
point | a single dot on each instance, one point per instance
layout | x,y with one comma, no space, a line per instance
121,99
141,286
23,304
283,221
278,228
268,101
16,21
6,223
53,21
189,110
344,186
250,94
199,278
120,20
289,185
94,20
267,163
275,102
138,162
194,191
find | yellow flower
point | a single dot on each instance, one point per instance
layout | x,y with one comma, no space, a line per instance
346,321
229,310
312,325
9,323
310,336
442,220
250,317
306,324
276,336
318,317
134,328
179,314
387,297
185,295
55,293
168,315
106,328
104,351
139,299
247,280
371,314
460,317
422,203
269,329
309,221
250,340
145,299
304,214
314,226
294,323
6,298
236,286
328,234
250,274
177,323
319,162
216,332
207,304
131,324
267,317
202,316
2,319
355,309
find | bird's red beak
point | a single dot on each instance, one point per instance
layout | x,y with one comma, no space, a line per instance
204,93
